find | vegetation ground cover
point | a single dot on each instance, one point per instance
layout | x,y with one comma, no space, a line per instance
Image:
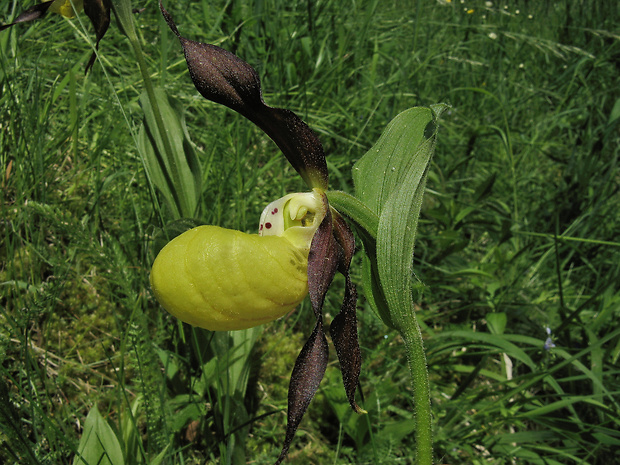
519,233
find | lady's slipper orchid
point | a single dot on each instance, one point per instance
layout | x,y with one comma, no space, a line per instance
98,11
206,276
224,280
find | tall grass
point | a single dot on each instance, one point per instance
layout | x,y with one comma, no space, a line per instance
519,232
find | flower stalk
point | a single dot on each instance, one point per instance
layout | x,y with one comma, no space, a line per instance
416,361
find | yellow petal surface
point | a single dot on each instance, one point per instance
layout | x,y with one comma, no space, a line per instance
64,7
221,279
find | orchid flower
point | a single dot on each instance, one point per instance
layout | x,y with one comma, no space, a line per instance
98,11
221,279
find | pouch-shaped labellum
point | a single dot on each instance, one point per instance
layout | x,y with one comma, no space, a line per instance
220,279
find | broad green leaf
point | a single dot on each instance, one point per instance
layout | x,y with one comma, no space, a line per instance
122,10
388,164
390,180
98,445
496,322
177,176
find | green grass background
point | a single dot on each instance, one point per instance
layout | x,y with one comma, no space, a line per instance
520,231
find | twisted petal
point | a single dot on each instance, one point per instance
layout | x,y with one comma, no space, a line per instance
98,11
310,365
343,329
305,379
32,13
222,77
323,262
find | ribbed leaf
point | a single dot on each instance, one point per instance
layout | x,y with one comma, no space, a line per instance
387,166
390,180
181,194
98,444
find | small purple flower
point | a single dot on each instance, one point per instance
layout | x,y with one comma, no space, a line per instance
548,342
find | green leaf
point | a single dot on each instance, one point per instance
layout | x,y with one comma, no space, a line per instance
159,458
615,112
365,221
496,322
547,409
122,10
98,445
387,165
500,342
389,180
176,176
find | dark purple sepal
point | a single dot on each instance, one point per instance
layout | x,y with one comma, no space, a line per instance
98,11
345,238
31,14
222,77
323,259
305,379
343,330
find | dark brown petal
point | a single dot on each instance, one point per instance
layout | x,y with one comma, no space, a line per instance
222,77
305,379
343,329
344,236
32,13
323,260
98,11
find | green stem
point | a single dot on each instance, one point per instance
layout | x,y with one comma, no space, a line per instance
366,222
404,320
416,360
